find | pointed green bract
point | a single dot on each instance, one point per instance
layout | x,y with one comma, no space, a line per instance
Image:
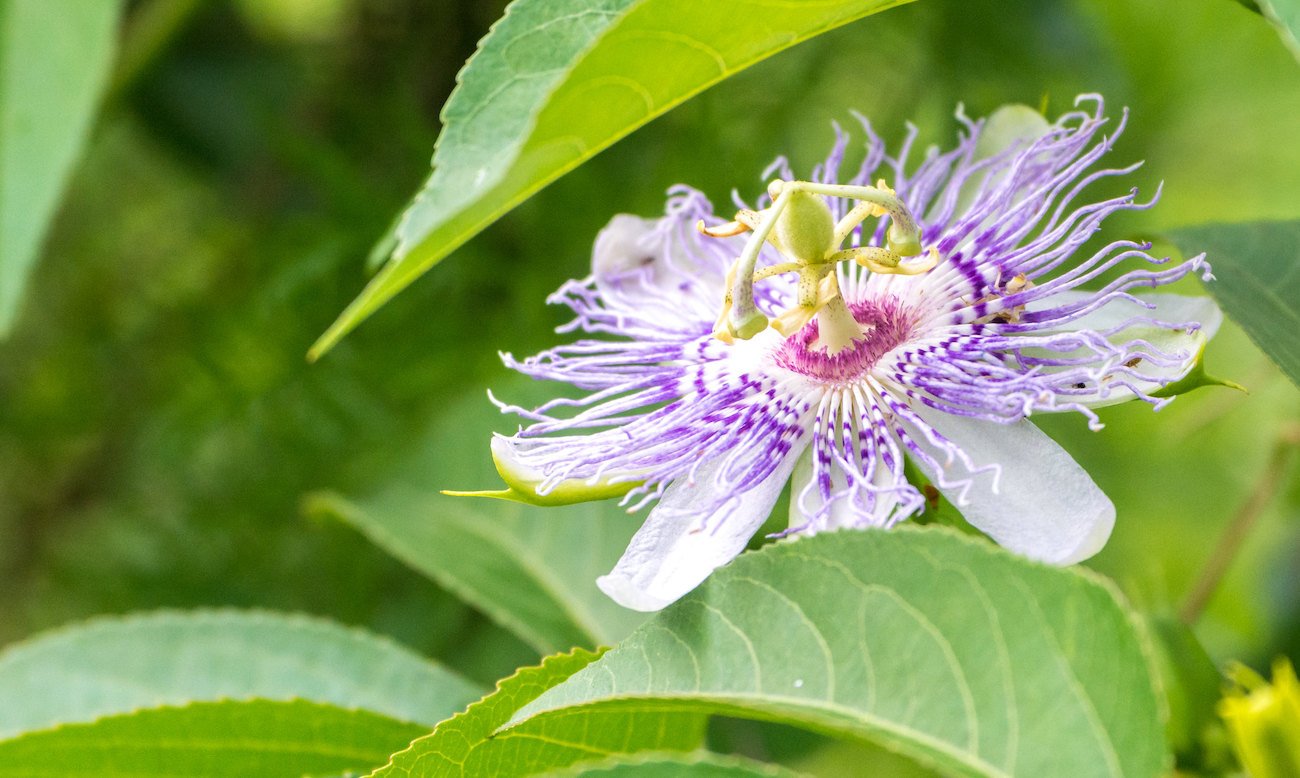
54,64
1195,379
1257,281
471,744
556,82
941,647
115,665
250,739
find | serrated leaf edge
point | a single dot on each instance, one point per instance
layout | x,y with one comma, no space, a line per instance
469,711
745,708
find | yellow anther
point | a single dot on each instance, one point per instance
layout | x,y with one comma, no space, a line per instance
730,229
879,210
916,268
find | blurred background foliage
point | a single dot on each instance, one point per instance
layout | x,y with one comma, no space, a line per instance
159,425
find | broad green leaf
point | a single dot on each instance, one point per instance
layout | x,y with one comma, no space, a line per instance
116,665
1284,15
939,646
249,739
533,570
556,82
470,744
1257,281
654,764
54,65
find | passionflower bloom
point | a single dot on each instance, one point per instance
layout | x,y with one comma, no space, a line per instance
925,322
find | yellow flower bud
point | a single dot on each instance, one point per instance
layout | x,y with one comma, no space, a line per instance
1264,720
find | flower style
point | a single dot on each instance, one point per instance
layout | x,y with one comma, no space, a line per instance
952,342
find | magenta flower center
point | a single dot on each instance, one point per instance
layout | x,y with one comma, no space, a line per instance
886,324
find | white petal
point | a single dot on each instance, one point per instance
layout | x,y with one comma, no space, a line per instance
681,543
622,246
1045,506
843,512
1009,126
1171,308
640,262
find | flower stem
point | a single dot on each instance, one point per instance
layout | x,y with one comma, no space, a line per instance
1242,523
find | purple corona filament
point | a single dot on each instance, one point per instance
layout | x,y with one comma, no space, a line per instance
1014,320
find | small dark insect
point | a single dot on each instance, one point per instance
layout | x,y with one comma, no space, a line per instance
931,496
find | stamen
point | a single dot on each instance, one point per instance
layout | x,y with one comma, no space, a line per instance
793,226
728,230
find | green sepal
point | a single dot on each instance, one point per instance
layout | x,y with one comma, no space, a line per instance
567,493
1195,379
522,482
1011,124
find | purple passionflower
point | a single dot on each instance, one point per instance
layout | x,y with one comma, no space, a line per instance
943,367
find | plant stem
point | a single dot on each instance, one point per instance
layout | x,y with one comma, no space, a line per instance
1242,523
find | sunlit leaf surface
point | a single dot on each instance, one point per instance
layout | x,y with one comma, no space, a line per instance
1257,281
54,63
556,82
253,739
117,665
940,646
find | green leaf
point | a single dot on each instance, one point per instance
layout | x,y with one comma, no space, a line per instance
1257,281
655,764
556,82
1191,682
470,744
116,665
249,739
54,65
941,647
533,570
1284,15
